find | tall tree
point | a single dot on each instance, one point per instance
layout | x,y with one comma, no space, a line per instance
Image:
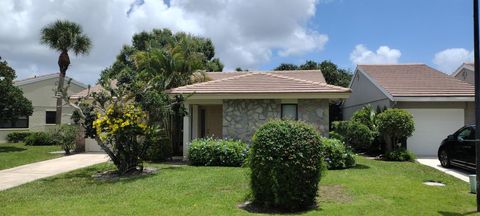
64,36
164,39
286,66
12,102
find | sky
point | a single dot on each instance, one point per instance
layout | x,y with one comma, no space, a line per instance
254,35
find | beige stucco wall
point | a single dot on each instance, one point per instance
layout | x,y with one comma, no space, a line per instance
42,96
466,75
364,92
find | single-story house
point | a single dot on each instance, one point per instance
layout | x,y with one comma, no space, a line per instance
234,104
466,73
40,90
440,104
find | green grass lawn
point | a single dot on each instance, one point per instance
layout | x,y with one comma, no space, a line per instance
373,188
16,154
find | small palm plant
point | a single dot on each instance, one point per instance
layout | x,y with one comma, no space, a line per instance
64,36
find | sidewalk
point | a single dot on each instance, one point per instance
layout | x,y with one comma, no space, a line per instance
435,163
30,172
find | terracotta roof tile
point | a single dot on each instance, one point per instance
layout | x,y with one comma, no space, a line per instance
416,80
264,82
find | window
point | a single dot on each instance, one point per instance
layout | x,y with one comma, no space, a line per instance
21,122
466,134
289,111
50,117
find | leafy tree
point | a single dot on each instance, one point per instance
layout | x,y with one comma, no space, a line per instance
65,135
286,66
12,102
395,125
164,40
64,36
333,75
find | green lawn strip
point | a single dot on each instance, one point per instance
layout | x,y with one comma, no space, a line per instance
16,154
375,188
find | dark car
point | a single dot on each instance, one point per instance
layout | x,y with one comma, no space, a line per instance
458,149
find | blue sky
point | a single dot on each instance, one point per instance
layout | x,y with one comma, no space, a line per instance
419,29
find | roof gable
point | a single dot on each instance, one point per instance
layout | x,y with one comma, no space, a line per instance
416,80
40,78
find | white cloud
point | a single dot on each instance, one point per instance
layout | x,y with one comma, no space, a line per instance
383,55
450,59
245,33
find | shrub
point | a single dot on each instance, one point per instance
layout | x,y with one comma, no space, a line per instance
366,115
395,125
65,135
160,148
15,137
39,139
336,154
286,165
217,152
354,134
400,155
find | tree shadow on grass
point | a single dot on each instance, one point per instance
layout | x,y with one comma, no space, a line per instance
360,166
446,213
252,208
5,149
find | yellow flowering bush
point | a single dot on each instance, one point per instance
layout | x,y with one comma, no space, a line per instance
120,119
122,129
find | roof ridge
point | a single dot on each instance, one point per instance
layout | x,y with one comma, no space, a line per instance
214,81
307,81
35,77
392,64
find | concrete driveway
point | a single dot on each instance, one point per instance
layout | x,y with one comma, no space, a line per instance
435,163
30,172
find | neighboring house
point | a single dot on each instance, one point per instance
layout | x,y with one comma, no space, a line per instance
235,104
440,104
40,90
466,73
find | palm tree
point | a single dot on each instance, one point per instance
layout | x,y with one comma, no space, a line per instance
64,36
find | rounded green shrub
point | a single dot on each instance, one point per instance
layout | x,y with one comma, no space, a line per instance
353,133
286,165
395,125
400,155
39,139
217,152
15,137
337,155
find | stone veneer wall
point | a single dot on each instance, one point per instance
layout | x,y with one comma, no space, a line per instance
315,111
242,117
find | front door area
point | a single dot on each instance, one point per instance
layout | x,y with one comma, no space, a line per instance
210,121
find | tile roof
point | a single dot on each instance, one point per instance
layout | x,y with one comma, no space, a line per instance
95,88
415,80
264,82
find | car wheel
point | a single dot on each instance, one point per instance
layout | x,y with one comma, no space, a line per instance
444,158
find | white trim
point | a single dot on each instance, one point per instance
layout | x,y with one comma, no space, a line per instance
271,96
434,99
46,77
463,66
383,90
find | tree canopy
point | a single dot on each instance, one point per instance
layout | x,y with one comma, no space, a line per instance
199,50
333,75
12,102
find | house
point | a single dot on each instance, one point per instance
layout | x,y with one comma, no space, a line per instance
440,104
234,104
40,90
466,73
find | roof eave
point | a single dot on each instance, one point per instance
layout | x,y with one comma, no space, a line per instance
293,95
434,98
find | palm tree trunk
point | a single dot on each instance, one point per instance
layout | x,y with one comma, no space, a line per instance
63,63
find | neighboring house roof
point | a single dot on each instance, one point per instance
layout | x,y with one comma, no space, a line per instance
307,81
263,82
467,65
415,80
95,88
45,77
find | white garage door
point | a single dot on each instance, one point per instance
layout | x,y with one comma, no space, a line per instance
431,127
